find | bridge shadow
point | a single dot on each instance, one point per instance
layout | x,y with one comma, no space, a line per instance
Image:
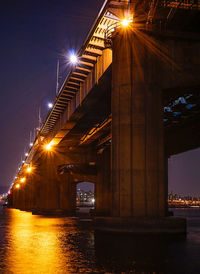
139,254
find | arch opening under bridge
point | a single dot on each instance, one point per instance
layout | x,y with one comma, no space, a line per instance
85,197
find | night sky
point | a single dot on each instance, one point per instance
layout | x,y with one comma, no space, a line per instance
34,34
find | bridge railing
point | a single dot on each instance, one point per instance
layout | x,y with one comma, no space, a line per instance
184,4
103,62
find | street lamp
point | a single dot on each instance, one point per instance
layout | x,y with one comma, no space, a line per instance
125,22
23,180
29,169
48,147
73,58
50,105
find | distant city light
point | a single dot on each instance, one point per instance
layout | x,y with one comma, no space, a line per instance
50,105
23,161
73,58
26,154
31,144
15,177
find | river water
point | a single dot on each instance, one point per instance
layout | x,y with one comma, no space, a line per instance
36,244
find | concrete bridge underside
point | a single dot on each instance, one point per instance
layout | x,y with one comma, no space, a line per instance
118,138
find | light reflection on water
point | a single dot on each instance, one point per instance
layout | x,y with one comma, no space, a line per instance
35,244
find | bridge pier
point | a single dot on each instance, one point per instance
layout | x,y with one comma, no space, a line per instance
32,195
67,194
50,189
103,186
53,192
137,130
15,199
137,162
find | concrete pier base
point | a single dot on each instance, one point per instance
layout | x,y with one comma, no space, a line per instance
54,213
141,225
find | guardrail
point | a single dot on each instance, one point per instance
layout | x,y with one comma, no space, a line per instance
184,4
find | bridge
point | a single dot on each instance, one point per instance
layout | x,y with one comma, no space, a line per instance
130,101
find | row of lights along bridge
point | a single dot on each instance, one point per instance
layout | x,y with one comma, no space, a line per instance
73,60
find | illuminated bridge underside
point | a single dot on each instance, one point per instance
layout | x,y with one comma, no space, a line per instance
181,120
94,46
87,67
94,59
123,109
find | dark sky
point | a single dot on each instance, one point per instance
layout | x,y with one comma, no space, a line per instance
34,34
184,173
87,186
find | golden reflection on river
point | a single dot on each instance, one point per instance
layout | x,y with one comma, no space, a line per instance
39,244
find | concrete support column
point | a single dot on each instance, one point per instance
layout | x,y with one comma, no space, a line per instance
50,184
138,176
39,189
46,184
38,194
32,192
53,193
15,198
29,192
67,194
103,186
166,185
23,197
